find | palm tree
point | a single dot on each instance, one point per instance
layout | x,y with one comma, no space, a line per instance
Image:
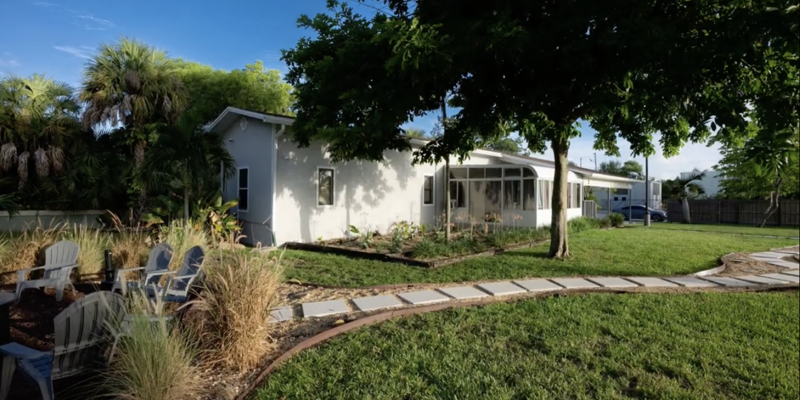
684,188
189,160
38,117
135,85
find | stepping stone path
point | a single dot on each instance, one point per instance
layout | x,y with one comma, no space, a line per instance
325,308
537,285
501,288
574,283
423,297
376,302
686,281
789,276
651,282
463,292
761,279
613,282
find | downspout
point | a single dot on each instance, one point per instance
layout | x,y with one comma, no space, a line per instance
274,180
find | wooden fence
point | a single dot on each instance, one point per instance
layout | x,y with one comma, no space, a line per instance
740,212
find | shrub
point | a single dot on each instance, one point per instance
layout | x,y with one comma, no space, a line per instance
617,219
93,244
582,224
130,248
232,311
604,223
24,249
153,360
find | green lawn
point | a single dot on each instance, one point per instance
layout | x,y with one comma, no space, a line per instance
628,252
598,346
733,229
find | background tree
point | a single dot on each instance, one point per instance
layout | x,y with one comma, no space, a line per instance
209,91
505,144
135,85
684,189
774,156
415,133
611,167
630,168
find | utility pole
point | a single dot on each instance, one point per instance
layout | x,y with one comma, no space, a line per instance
595,161
646,192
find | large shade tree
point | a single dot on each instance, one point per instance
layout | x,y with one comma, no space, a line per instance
132,84
630,68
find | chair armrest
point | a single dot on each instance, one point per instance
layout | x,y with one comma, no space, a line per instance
19,351
22,272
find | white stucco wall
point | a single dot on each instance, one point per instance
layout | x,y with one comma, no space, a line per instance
367,195
252,148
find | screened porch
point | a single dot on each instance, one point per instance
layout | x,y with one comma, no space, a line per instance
513,195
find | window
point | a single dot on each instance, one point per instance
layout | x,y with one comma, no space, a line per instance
529,194
457,195
544,194
244,189
427,190
494,172
325,186
511,172
511,195
476,173
574,195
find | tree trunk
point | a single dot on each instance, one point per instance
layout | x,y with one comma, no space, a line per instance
446,178
687,217
186,203
558,223
773,202
138,159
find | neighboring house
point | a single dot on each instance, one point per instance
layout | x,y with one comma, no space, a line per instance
289,194
711,182
635,195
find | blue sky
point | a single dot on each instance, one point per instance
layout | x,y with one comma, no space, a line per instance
55,37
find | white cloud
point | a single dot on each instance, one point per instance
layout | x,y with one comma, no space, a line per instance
80,52
80,18
9,62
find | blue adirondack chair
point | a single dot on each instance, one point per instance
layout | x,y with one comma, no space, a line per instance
177,287
159,259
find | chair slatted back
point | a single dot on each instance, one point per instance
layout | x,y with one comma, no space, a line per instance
58,254
159,259
192,262
81,332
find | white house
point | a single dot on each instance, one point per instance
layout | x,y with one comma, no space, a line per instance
636,195
711,182
290,194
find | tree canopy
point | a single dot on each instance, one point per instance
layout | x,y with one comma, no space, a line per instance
628,168
630,68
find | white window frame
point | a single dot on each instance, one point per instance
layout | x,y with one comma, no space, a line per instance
433,189
239,188
333,186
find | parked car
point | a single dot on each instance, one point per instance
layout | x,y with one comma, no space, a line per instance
637,212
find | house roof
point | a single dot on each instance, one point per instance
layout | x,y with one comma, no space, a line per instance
230,114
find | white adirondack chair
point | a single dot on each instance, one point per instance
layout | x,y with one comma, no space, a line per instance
82,332
59,261
159,259
177,287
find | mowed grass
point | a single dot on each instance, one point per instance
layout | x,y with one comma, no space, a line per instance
619,252
597,346
780,231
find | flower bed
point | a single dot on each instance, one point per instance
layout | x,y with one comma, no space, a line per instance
416,245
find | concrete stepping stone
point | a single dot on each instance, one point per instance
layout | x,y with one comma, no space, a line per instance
792,273
759,279
768,254
574,283
281,314
784,264
651,282
613,282
501,288
376,302
782,277
423,297
686,281
324,308
463,292
729,282
537,285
